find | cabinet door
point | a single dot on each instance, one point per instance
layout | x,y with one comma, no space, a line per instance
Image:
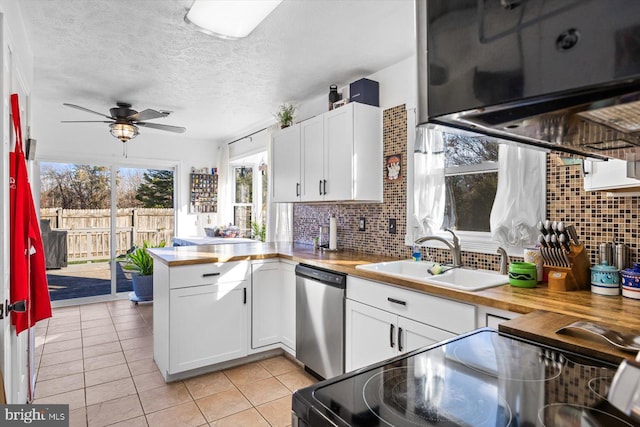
288,307
266,298
370,336
413,335
208,325
285,160
311,141
338,153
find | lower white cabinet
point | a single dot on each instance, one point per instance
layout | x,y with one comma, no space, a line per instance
373,335
273,320
208,325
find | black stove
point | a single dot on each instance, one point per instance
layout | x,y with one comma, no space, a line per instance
483,378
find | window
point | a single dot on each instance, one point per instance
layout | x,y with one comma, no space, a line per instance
471,180
243,199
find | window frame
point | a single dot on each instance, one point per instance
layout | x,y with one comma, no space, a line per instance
257,201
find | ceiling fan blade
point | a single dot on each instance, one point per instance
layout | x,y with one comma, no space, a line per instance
87,110
86,121
176,129
147,115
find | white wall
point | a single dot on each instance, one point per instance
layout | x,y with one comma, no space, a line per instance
92,142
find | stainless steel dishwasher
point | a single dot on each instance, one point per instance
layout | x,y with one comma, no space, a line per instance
320,296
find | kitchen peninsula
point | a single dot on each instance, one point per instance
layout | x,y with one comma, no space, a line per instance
236,283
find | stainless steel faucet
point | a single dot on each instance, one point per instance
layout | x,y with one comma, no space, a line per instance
454,246
504,260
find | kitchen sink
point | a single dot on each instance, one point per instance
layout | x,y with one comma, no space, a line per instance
456,278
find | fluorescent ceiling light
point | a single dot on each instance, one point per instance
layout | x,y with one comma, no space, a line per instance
229,19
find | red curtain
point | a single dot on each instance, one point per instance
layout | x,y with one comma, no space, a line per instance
28,276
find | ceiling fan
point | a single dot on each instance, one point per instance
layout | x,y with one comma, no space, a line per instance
124,121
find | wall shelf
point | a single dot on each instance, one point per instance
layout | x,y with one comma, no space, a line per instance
204,193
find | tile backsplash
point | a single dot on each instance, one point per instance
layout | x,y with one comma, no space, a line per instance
598,218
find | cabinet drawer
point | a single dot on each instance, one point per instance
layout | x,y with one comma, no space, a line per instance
442,313
208,274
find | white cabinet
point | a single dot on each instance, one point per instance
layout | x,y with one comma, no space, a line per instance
383,321
285,165
273,298
338,153
610,175
208,325
492,317
200,315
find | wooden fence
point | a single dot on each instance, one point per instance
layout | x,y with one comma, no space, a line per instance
88,230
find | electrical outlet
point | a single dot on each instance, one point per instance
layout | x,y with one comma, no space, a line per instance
362,224
392,226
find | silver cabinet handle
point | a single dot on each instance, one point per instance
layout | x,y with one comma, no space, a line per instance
391,329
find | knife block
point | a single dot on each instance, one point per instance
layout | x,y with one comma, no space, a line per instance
576,277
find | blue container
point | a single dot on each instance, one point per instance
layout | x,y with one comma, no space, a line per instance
365,91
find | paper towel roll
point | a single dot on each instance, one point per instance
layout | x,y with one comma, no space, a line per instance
333,233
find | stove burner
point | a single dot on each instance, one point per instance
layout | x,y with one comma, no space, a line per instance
510,360
565,414
399,397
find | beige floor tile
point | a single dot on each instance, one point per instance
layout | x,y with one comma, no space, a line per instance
97,323
65,311
99,339
138,353
113,411
59,385
164,397
247,373
246,418
78,417
56,347
134,333
62,336
130,343
208,384
93,315
263,391
142,366
125,326
278,365
101,349
60,370
75,399
134,422
223,404
104,361
184,415
148,381
109,391
98,330
125,317
277,412
61,357
63,328
65,320
105,375
296,379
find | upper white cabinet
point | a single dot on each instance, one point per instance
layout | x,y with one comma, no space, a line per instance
285,161
610,175
340,155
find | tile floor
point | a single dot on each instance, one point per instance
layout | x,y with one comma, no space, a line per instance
98,358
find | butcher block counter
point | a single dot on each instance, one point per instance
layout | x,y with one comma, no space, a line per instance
611,311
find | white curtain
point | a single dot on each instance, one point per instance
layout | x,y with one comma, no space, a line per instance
521,185
225,214
429,186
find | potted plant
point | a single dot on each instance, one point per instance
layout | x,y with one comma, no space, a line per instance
285,115
258,231
142,262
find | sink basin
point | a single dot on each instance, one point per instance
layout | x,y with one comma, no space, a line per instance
456,278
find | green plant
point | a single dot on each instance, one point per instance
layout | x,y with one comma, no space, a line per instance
140,259
285,115
259,230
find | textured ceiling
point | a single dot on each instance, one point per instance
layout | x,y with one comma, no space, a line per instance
96,52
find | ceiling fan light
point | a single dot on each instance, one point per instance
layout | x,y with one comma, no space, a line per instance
229,19
124,131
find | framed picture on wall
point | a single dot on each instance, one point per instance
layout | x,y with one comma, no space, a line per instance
393,167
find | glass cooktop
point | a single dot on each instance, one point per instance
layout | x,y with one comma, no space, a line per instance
481,379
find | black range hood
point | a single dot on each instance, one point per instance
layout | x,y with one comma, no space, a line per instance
557,74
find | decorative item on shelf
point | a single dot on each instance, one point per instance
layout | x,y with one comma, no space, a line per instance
285,115
334,96
365,91
605,279
341,103
631,282
204,193
140,261
523,274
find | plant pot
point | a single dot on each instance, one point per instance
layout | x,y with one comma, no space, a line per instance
143,287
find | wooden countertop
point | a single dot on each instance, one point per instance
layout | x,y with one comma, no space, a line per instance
612,311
